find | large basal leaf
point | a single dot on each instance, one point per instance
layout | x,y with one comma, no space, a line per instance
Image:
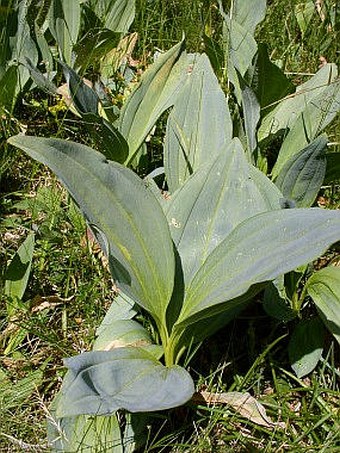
199,125
23,45
123,213
286,113
315,117
258,250
213,202
302,175
116,15
64,25
240,45
101,382
155,93
324,289
241,24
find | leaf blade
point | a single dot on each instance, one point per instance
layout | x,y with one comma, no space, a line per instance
123,213
126,378
257,251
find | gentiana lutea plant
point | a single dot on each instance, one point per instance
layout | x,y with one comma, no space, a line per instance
192,262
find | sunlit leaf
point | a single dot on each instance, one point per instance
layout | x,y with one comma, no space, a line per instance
125,378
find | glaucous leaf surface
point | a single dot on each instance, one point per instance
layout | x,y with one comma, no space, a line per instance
64,25
116,15
324,288
199,125
285,115
251,112
258,250
155,93
310,123
203,212
122,212
118,329
102,382
303,174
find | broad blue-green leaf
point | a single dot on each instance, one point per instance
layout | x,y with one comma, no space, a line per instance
306,345
241,24
155,93
116,15
64,25
286,113
258,250
199,125
41,80
240,45
213,202
123,213
85,433
22,44
101,382
18,271
324,289
303,174
315,117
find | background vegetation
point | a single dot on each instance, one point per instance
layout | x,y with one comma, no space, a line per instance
69,288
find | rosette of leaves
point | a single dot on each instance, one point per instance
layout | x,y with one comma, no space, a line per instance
191,262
